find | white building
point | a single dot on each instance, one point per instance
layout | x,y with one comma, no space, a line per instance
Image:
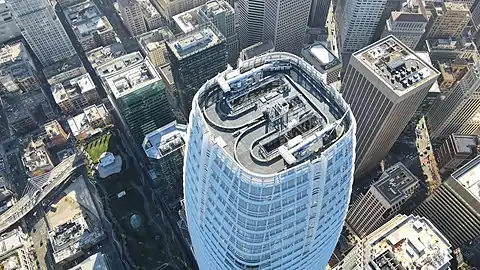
323,60
358,24
42,30
268,186
152,17
408,25
132,16
170,8
16,251
404,242
8,27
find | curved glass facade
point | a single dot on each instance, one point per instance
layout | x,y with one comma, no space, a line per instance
276,200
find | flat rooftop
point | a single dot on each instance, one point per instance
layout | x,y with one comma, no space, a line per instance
85,18
319,56
466,143
469,177
12,53
195,41
425,56
97,261
53,128
10,241
152,40
265,117
73,87
407,242
449,44
70,63
258,49
83,122
164,140
187,21
394,183
213,8
396,65
105,54
118,64
131,79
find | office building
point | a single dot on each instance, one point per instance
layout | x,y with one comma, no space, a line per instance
104,54
390,6
404,242
449,20
152,17
17,251
454,207
275,178
153,45
433,94
165,73
407,25
475,13
196,57
358,25
97,261
222,16
17,71
251,17
257,49
323,60
138,95
382,201
456,150
458,111
451,48
164,148
92,121
36,159
318,13
75,94
132,16
55,136
90,26
285,24
451,72
64,70
117,65
67,3
170,8
42,30
384,83
8,27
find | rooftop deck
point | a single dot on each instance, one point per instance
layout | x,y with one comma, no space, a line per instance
273,116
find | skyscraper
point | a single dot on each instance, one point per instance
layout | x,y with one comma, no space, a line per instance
458,111
382,200
196,57
132,16
251,14
456,150
449,20
170,8
285,24
384,83
8,27
318,13
358,24
42,30
454,207
269,167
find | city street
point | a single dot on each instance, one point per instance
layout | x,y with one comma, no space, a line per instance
427,157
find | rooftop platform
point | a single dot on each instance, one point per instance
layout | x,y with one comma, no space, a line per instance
395,182
70,63
187,21
97,261
319,56
469,177
70,88
118,64
85,18
272,113
151,40
105,54
195,41
399,68
164,140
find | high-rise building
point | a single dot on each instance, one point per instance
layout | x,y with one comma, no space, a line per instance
454,207
384,84
138,96
449,20
323,60
456,150
408,24
451,48
196,57
475,13
90,26
318,13
75,94
286,23
458,111
164,148
358,25
153,45
268,167
152,17
170,8
8,27
251,16
390,6
382,200
66,3
132,16
42,30
404,242
18,73
256,49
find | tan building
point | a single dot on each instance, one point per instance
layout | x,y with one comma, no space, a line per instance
451,71
456,150
90,122
170,8
384,84
132,16
17,71
153,45
75,94
54,134
449,20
